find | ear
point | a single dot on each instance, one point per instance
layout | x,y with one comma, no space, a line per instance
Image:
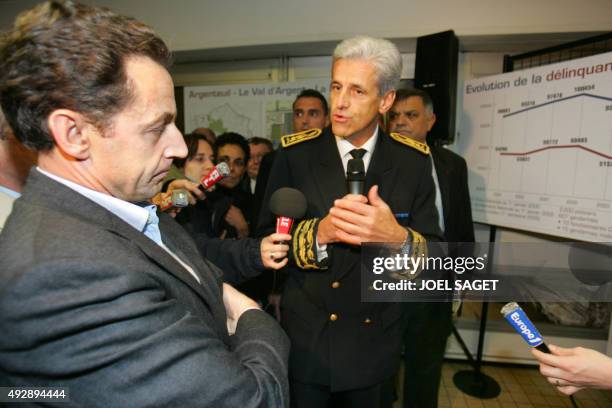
386,102
70,131
431,121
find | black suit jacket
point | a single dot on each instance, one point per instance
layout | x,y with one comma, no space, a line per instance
90,303
361,347
451,170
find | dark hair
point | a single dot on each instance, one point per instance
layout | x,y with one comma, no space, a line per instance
192,141
234,139
313,93
256,140
63,54
403,94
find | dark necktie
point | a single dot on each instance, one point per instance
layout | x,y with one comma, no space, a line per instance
358,153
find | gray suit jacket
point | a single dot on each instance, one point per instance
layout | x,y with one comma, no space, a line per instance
90,303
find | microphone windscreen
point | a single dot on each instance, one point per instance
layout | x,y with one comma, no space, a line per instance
223,169
288,202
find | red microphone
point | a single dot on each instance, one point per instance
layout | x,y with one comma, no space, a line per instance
220,171
179,197
288,204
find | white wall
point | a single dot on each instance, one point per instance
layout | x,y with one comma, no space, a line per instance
206,24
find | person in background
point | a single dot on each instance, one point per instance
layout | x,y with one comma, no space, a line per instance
258,148
16,161
428,324
233,149
310,111
200,161
100,293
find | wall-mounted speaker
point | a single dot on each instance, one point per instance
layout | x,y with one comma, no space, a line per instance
436,73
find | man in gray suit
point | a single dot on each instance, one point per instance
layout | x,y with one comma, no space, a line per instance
98,294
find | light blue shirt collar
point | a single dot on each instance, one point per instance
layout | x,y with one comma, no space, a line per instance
9,192
133,214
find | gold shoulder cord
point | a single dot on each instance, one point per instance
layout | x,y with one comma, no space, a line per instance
405,140
295,138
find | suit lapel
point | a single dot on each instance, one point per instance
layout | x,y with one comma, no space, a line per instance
443,180
160,256
381,166
328,171
181,244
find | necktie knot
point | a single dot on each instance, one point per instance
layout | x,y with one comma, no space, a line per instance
153,218
358,153
151,229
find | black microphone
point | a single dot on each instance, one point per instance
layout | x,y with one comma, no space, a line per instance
355,176
288,204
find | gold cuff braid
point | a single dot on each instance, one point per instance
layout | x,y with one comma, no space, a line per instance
414,246
304,244
419,243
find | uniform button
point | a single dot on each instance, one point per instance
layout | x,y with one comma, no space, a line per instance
367,320
336,285
333,317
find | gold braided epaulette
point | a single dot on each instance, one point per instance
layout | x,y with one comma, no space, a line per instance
420,146
295,138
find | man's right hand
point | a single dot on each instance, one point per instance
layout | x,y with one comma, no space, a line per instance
236,303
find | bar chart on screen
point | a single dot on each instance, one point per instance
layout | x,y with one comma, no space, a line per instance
538,144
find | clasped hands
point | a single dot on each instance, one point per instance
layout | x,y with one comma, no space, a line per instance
355,219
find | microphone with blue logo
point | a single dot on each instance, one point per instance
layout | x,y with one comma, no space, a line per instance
521,323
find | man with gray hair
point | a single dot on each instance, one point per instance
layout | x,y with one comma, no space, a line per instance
345,352
16,161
